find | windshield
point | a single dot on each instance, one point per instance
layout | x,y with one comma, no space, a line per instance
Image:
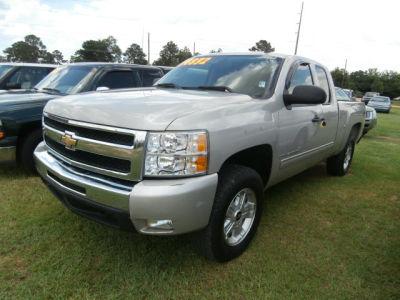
380,99
371,94
67,79
4,69
252,75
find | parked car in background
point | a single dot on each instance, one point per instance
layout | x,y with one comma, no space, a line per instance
195,152
16,76
368,96
371,118
380,104
21,111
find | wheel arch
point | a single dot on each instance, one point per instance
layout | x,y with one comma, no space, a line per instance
258,158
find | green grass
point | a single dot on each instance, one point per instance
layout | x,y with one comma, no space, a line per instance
320,237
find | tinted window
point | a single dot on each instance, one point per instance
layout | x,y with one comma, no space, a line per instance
27,77
149,76
252,75
68,79
323,81
302,76
4,69
119,80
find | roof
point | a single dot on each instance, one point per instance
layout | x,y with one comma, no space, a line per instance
28,65
288,57
108,64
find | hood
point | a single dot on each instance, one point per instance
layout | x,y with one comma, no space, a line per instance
142,109
23,98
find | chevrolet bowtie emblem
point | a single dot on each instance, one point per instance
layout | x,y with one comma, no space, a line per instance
68,141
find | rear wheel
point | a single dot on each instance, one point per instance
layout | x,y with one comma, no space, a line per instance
339,165
26,149
235,215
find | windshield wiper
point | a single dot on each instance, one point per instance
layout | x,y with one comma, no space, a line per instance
168,85
215,88
52,90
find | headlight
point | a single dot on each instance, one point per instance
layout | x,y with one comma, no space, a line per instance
176,153
1,124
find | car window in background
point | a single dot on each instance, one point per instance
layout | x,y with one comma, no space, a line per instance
251,75
27,77
67,80
4,69
380,99
120,80
302,76
323,82
150,76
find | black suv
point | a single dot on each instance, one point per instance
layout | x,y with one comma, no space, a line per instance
15,76
21,111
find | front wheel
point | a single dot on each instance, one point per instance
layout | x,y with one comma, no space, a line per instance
235,215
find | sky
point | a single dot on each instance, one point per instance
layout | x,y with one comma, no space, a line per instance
366,33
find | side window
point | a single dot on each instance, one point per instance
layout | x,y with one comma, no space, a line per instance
27,78
323,82
119,80
149,76
302,76
341,95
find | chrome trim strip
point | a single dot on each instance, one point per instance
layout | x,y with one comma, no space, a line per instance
63,186
284,160
135,153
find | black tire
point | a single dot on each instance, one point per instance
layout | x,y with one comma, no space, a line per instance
211,241
335,165
26,149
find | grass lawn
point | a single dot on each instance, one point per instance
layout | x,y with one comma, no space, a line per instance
320,237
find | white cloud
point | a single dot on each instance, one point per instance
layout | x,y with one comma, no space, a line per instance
364,32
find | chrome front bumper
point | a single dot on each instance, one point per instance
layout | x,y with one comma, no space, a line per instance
159,207
8,154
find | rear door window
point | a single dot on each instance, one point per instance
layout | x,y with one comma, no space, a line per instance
120,79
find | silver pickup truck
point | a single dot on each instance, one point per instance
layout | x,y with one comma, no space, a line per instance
195,152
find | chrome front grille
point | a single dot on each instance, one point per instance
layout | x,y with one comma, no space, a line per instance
105,150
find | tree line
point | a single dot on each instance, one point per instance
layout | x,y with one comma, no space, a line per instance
387,83
33,50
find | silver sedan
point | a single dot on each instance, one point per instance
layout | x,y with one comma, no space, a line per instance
380,104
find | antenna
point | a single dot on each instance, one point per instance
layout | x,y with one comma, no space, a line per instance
148,48
298,30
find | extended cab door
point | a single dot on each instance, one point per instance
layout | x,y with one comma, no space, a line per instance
301,140
330,110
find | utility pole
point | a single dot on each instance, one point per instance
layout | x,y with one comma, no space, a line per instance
148,48
344,72
298,30
194,48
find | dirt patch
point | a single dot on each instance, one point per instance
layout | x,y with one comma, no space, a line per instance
387,139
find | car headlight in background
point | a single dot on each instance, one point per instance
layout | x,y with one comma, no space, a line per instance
176,153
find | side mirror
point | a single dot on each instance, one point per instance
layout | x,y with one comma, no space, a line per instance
305,94
102,88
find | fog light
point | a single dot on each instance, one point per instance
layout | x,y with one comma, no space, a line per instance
160,224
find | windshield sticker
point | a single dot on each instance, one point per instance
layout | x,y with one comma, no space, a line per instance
196,61
261,84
